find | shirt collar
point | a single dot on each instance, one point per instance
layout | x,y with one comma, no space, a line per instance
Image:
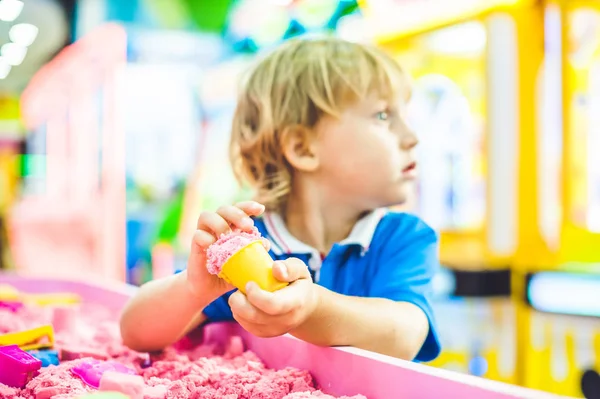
285,243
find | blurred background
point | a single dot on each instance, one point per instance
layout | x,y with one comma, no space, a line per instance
114,123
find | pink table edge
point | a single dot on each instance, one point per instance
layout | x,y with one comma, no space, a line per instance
338,371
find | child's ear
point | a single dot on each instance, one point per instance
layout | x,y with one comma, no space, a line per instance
299,148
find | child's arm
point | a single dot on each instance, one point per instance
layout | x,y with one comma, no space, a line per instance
392,328
396,319
161,313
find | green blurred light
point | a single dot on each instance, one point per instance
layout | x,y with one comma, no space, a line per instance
34,165
315,13
171,14
209,15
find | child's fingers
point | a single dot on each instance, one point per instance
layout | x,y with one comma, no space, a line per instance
236,217
290,270
266,244
251,208
241,307
246,313
212,222
265,300
280,302
203,239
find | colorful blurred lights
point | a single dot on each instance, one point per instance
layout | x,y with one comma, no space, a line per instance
478,366
314,14
4,68
352,27
10,9
23,34
262,21
13,54
469,37
565,293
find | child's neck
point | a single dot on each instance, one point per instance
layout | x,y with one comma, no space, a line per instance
318,224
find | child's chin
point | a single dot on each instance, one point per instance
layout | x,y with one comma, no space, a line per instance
404,195
398,200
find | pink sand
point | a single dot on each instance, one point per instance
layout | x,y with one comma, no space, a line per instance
228,244
180,372
130,385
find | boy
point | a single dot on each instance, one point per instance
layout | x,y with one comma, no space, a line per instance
319,133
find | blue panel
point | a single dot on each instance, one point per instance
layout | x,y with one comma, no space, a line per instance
122,10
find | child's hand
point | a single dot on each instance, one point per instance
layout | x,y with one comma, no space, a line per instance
210,226
270,314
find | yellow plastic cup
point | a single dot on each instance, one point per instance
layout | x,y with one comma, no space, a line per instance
9,293
251,263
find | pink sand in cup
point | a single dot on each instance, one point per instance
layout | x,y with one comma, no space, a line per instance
227,245
200,372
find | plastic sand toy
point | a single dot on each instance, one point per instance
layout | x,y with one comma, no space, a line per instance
240,257
58,298
47,357
11,294
17,367
13,306
37,338
91,371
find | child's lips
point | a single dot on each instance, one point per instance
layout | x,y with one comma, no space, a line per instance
410,170
411,166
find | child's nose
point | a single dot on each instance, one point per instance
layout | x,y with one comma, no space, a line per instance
409,140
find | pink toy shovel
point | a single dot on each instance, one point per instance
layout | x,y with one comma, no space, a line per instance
91,371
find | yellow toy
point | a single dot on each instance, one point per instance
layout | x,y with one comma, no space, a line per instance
9,293
53,299
251,263
37,338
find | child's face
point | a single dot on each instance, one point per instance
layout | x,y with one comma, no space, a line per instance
366,156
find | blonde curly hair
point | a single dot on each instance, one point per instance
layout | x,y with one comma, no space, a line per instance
295,85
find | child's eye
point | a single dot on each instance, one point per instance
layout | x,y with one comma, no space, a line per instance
382,116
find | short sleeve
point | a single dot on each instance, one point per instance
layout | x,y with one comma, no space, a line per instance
219,309
406,266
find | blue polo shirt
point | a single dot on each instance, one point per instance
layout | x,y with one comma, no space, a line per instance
387,255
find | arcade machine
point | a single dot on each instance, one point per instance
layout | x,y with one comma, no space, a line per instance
470,126
560,319
10,149
72,209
